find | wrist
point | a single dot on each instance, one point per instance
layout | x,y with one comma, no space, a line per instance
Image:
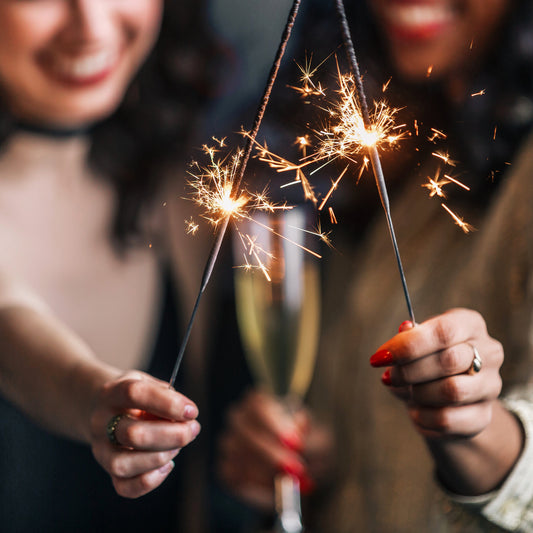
480,464
87,379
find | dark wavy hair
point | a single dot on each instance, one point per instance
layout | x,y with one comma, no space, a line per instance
132,147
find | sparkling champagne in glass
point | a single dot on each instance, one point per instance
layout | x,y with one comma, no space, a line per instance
279,321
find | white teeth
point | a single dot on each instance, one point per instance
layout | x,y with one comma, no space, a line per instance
84,67
419,16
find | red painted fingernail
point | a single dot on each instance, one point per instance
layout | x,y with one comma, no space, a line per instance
404,326
307,485
385,378
293,441
381,358
293,468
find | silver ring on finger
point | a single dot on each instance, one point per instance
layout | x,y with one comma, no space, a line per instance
111,429
477,362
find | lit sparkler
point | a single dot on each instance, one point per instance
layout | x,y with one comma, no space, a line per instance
236,184
372,147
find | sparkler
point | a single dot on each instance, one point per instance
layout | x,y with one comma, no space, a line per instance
372,148
236,184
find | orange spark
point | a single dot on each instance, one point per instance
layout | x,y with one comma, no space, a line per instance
445,157
467,228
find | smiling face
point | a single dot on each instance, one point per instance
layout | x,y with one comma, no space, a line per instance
443,37
69,62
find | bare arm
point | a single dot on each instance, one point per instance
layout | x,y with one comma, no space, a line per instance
48,372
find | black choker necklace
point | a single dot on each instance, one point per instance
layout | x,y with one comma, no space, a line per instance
58,132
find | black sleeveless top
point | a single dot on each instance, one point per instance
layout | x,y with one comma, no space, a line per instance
53,485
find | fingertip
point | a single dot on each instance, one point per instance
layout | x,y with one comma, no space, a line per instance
381,358
195,429
190,412
166,469
406,325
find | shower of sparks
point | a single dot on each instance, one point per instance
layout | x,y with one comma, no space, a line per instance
445,157
437,134
302,143
333,187
346,134
213,190
238,177
457,182
280,164
191,227
308,87
435,185
467,228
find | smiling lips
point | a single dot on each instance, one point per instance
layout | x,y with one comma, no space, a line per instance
84,70
415,21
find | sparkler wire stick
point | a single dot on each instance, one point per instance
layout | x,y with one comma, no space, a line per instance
213,255
372,149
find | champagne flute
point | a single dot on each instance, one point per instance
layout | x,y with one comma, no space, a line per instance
279,322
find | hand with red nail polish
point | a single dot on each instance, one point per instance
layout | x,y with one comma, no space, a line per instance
447,370
261,440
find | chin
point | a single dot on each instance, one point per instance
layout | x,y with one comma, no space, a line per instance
82,112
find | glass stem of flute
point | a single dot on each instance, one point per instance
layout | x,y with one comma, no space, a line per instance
288,506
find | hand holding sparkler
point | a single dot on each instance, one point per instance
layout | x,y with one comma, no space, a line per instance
147,425
232,191
447,369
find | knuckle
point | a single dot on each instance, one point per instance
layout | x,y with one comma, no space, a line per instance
443,421
404,374
452,392
183,438
135,435
444,330
498,385
133,390
118,467
123,488
144,484
449,361
499,353
479,321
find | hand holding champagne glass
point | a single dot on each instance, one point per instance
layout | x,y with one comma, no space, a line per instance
279,320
